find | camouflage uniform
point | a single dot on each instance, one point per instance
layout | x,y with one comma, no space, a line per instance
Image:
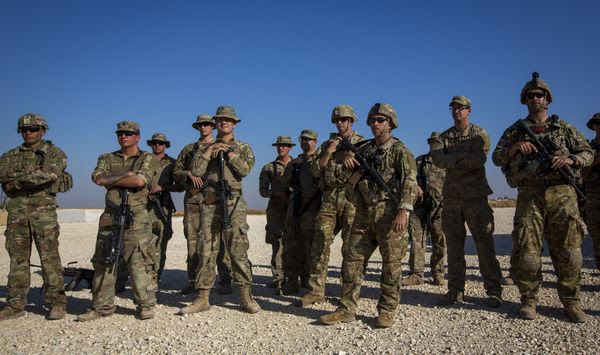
270,187
300,177
546,207
463,154
139,249
336,213
31,178
193,211
592,192
418,227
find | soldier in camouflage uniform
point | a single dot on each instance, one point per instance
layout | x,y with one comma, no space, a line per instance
31,175
427,219
269,186
546,204
160,197
132,169
300,177
462,151
336,212
379,221
238,161
193,207
592,189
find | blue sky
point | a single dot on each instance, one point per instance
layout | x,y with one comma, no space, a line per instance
284,65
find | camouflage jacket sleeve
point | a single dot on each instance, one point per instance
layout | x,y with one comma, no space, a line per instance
264,181
242,160
179,169
148,168
406,172
500,156
102,167
439,154
476,157
581,151
45,165
288,172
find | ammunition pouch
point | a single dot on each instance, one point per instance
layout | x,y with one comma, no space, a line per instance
64,183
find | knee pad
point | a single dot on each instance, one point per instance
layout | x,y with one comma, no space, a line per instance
530,262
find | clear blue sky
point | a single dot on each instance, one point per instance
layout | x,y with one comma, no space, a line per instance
283,65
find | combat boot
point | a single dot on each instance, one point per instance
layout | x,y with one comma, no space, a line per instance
385,320
225,289
507,281
11,313
451,298
248,303
200,304
438,280
575,313
527,310
91,315
146,313
340,315
188,290
309,299
412,280
57,312
494,301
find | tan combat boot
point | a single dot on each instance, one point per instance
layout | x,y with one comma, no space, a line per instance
188,290
248,303
412,280
338,316
147,313
575,313
451,298
91,315
11,313
438,280
527,310
309,299
200,304
507,281
385,320
57,312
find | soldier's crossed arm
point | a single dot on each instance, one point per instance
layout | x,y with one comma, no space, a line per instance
241,160
264,181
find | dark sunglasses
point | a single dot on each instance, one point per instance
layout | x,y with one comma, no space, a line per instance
204,124
537,94
340,119
305,139
458,108
125,133
157,143
377,119
31,129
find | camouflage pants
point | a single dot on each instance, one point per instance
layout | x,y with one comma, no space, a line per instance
592,220
417,231
274,236
333,216
551,213
479,216
138,256
235,239
194,235
26,226
161,239
372,228
297,241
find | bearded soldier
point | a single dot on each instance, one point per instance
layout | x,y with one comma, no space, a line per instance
31,176
547,202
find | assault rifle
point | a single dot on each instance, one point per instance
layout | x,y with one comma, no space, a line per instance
541,164
76,275
123,219
429,204
224,190
368,169
158,201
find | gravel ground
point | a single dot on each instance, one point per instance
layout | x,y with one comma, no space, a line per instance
420,326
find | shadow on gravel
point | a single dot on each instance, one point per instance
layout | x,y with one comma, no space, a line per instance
173,279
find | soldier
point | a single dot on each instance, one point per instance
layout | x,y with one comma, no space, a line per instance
546,204
193,206
127,169
279,200
427,219
592,189
161,207
31,175
381,217
223,165
461,150
302,178
336,212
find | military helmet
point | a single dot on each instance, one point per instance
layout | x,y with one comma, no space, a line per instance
343,111
536,82
31,119
385,110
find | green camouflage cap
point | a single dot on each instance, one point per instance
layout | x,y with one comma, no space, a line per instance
595,119
461,100
433,136
343,111
159,137
386,110
203,118
226,112
284,140
128,126
536,82
308,133
31,119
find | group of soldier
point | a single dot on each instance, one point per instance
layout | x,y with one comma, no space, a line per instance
371,190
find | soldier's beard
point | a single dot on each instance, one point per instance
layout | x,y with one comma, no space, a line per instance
536,107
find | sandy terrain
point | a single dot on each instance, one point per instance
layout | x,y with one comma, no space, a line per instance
282,328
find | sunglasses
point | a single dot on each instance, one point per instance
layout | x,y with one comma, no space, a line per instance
458,108
157,143
31,129
125,133
370,120
537,94
305,139
340,119
204,124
